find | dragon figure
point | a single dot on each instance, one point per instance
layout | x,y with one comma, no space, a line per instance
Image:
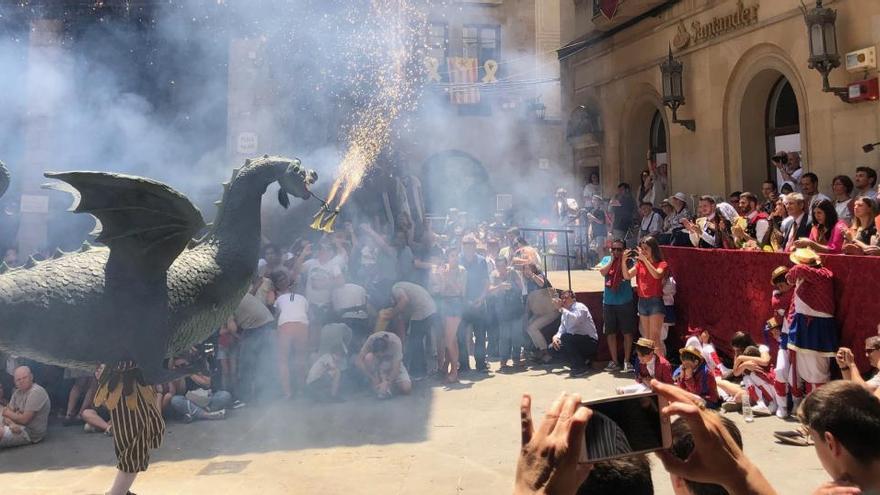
152,291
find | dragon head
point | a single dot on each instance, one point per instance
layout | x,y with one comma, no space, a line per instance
295,180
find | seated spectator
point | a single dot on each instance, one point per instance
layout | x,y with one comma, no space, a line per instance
732,392
861,237
865,182
194,399
849,370
843,419
577,337
842,188
810,189
757,224
770,192
702,340
97,419
627,475
702,231
25,420
652,221
774,238
647,365
798,224
84,387
695,377
325,375
680,212
682,448
758,383
826,236
381,361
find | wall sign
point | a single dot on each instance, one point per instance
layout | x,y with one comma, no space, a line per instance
699,31
248,143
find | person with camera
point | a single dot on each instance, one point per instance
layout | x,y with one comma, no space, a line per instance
702,231
788,164
846,362
649,271
617,305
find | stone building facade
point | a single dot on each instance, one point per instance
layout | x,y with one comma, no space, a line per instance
746,83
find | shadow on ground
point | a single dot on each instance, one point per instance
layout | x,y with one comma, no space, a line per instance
257,428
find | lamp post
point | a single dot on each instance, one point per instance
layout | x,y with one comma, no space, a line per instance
673,90
823,45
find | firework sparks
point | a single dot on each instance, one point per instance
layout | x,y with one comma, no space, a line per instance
394,30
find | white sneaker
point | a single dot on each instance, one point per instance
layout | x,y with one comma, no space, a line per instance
627,368
781,412
89,428
761,409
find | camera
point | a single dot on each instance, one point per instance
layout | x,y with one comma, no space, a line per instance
632,253
780,158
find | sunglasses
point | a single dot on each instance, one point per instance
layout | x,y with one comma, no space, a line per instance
868,352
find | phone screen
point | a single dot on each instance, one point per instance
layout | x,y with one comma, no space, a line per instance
622,426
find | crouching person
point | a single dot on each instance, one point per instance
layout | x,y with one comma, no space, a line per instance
25,420
322,382
381,361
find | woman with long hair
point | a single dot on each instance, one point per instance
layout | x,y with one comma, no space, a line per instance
449,281
861,238
649,271
292,311
774,237
646,188
842,188
826,235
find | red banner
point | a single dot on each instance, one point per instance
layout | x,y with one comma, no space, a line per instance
726,291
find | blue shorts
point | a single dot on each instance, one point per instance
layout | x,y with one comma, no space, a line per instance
651,306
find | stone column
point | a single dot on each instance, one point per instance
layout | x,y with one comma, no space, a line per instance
249,117
46,79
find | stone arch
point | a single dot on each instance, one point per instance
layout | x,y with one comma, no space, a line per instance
635,127
744,105
454,178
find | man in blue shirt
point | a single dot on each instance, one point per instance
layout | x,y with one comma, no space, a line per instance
617,305
577,336
474,314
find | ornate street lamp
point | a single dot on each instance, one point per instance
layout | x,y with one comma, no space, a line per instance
823,45
673,90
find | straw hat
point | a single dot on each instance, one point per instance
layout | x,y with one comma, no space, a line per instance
645,343
773,323
778,272
691,350
805,256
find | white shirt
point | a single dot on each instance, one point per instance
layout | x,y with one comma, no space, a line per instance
292,308
350,296
652,224
318,273
761,226
577,321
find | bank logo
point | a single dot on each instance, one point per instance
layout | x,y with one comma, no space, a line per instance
682,38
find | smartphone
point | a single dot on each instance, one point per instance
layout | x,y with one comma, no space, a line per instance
624,425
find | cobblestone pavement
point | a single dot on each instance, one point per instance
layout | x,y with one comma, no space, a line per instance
437,441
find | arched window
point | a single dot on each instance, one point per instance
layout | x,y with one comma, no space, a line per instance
658,134
783,122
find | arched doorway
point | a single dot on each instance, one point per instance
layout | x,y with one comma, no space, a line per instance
454,179
644,129
765,110
783,124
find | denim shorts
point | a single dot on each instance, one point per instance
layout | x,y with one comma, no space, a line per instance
651,306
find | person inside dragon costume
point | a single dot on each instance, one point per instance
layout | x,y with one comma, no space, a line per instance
149,293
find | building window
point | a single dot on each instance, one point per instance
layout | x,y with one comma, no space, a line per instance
482,42
658,134
596,10
783,123
438,47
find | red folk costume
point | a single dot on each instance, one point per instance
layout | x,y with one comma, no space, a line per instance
701,383
662,371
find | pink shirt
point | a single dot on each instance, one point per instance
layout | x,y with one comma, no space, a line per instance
835,240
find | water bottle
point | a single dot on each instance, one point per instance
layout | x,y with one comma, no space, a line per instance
747,408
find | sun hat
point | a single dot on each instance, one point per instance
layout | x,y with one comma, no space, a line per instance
691,350
805,256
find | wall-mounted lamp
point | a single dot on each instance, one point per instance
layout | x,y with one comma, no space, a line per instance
823,45
673,90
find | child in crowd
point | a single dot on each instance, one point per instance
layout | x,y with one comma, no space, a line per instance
647,365
702,340
694,377
777,327
322,382
758,383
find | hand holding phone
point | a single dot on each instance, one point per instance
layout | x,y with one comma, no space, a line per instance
624,425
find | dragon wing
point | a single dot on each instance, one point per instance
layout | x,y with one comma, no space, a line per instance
145,223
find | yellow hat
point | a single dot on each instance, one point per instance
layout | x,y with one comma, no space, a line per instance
779,271
805,256
693,351
646,343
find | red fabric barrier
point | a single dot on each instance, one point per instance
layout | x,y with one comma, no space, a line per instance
726,291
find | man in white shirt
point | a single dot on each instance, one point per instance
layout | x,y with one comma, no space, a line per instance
652,222
577,336
810,189
865,182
